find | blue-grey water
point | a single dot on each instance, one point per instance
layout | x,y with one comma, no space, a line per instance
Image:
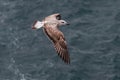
93,40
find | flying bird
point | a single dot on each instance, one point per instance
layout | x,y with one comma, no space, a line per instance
51,26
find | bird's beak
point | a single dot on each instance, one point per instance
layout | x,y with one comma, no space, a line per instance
68,24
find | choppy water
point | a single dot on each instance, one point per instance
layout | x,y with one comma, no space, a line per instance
93,40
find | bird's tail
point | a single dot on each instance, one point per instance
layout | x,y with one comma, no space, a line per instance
37,24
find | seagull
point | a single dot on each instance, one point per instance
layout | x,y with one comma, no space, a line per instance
51,26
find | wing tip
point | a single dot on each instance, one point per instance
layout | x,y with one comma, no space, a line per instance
66,59
58,16
67,62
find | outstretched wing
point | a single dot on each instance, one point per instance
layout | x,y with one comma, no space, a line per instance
59,43
61,49
56,16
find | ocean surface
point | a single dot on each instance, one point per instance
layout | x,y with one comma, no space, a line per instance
93,39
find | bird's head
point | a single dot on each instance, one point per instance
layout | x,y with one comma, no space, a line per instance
62,22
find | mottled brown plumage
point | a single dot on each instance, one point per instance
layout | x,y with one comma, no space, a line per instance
51,24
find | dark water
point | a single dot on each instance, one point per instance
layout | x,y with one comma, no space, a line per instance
93,40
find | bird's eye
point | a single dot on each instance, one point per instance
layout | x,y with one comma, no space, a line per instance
62,22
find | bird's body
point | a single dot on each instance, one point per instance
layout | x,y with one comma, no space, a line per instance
50,26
